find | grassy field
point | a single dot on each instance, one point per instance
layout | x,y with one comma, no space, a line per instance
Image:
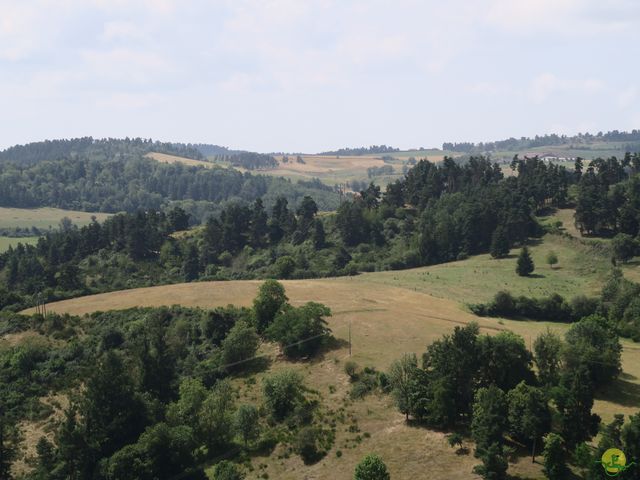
44,218
166,158
391,313
6,242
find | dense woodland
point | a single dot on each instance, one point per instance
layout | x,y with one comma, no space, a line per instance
608,196
114,184
32,153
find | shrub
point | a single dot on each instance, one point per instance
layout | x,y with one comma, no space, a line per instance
351,369
371,468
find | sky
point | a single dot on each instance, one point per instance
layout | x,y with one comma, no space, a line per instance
313,75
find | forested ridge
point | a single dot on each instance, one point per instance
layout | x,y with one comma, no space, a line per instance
581,140
106,183
32,153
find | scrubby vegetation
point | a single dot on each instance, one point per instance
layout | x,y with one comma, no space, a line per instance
149,390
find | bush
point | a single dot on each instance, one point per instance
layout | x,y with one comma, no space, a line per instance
503,304
284,266
283,391
226,470
351,369
371,468
306,445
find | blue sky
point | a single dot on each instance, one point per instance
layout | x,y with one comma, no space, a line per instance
298,75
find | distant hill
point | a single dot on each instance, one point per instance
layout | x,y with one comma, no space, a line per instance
36,152
362,150
623,141
209,150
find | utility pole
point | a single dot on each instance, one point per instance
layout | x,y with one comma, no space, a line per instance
349,337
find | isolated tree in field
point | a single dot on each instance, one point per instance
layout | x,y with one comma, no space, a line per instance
454,439
400,378
529,415
525,265
499,243
555,467
240,345
552,259
624,247
246,422
270,300
371,467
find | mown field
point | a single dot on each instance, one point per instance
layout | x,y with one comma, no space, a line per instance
166,158
6,242
41,218
391,313
44,218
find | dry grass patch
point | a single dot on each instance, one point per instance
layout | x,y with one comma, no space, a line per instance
166,158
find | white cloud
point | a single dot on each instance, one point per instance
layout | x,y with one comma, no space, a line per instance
547,84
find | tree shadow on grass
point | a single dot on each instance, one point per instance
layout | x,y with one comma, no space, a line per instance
622,392
536,275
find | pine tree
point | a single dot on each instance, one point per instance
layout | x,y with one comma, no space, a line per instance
525,264
318,235
191,265
499,243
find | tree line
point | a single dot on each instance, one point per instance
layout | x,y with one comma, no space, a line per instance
249,160
373,149
542,141
32,153
608,196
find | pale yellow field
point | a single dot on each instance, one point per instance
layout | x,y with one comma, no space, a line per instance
166,158
45,218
